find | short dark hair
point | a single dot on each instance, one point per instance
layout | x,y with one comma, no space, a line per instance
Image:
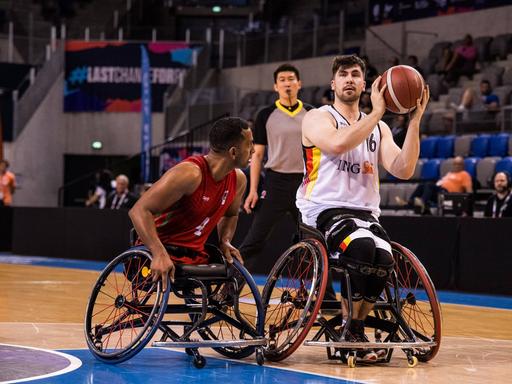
3,161
286,68
347,61
227,133
485,81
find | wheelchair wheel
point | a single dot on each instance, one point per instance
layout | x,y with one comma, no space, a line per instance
418,300
125,307
292,297
241,319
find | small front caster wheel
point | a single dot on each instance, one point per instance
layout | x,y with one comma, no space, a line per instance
199,362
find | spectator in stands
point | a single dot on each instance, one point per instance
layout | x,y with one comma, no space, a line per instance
399,129
121,197
500,204
470,99
327,97
425,195
277,130
371,71
365,103
460,62
485,101
102,187
7,184
412,61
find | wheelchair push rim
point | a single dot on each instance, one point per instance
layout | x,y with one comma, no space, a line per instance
125,307
418,300
292,297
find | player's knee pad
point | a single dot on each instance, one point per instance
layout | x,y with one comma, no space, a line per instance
382,270
357,260
384,261
359,253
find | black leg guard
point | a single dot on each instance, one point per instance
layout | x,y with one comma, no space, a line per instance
357,258
377,280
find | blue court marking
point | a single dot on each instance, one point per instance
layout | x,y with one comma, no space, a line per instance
9,258
446,297
154,365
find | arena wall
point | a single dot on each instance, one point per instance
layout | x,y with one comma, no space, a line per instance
37,155
454,250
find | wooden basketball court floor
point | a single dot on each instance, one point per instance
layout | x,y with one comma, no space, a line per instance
43,306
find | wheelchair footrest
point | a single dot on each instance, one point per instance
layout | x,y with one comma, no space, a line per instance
211,343
367,345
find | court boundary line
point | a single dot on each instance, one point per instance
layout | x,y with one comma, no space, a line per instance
74,364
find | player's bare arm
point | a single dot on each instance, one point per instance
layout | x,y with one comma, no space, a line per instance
319,128
402,162
227,224
255,169
181,180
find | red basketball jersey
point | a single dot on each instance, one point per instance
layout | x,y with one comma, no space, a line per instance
189,222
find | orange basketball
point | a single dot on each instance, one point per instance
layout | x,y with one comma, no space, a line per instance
405,85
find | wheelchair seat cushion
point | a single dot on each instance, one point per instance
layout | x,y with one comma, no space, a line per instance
201,271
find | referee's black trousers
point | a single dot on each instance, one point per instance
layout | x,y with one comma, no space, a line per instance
281,189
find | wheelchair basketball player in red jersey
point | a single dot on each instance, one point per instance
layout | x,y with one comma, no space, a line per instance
182,208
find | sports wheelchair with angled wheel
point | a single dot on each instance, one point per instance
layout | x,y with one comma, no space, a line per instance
215,305
406,316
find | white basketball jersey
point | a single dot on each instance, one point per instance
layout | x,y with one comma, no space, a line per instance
350,180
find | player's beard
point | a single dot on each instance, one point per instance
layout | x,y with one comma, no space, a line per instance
348,99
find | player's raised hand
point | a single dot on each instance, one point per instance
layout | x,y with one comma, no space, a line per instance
377,97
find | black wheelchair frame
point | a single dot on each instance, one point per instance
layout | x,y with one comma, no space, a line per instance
407,315
219,304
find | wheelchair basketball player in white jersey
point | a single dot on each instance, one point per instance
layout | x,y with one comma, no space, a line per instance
340,192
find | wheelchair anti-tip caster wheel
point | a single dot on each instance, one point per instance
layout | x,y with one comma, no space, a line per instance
412,361
351,361
199,362
260,359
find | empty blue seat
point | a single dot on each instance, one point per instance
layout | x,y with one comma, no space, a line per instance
445,147
479,146
430,169
428,147
504,164
498,145
470,165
